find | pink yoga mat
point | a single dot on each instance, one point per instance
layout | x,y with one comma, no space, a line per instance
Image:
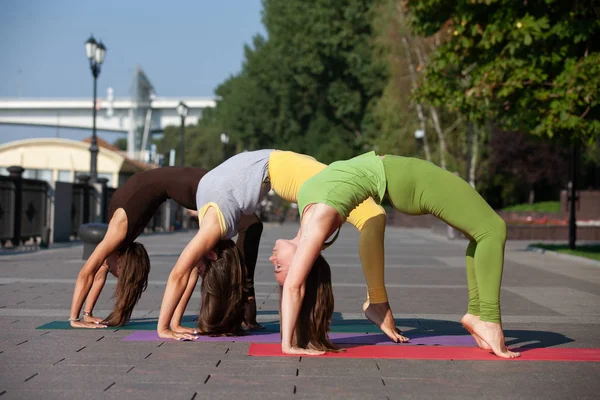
437,353
338,338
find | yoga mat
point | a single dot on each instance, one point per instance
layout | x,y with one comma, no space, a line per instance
336,327
150,325
437,353
133,325
338,338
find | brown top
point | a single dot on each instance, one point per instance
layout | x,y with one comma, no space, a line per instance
142,194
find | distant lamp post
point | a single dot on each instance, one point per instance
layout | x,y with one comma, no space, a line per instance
419,135
572,195
95,52
182,110
225,141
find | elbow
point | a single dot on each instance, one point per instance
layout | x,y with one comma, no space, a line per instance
85,277
178,277
99,278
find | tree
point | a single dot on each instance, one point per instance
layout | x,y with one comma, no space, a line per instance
203,147
312,85
398,112
524,166
121,144
532,66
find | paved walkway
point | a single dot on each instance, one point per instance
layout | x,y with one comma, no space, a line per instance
546,300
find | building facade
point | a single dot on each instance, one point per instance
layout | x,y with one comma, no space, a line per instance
62,160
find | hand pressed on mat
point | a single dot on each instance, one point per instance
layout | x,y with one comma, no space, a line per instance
88,325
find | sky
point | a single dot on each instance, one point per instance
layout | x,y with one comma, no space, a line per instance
186,48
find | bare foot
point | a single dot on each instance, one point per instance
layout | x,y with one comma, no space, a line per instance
468,321
491,333
381,315
250,322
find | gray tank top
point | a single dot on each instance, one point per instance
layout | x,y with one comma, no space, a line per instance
237,186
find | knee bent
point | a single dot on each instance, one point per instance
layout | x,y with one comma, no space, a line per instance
498,227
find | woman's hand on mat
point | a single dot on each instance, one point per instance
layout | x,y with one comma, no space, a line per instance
300,351
184,329
168,334
92,319
88,325
252,327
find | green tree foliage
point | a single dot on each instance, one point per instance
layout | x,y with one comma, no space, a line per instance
312,85
396,112
518,168
121,144
529,65
203,147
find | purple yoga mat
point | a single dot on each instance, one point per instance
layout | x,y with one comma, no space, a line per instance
339,338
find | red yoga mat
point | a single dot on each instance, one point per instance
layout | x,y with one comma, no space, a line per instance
436,353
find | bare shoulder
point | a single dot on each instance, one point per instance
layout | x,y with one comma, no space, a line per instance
117,226
320,218
210,225
319,211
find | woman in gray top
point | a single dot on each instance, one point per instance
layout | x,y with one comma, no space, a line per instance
225,196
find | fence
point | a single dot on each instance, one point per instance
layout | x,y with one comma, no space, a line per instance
82,209
28,207
23,207
7,208
34,208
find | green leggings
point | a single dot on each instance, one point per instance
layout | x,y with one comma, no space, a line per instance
418,187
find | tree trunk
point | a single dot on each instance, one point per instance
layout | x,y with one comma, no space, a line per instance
441,136
474,154
531,196
413,78
434,116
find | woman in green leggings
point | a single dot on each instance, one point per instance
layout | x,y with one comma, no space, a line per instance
414,187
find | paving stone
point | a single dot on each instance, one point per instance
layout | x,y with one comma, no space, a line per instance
544,303
338,386
251,367
173,374
250,384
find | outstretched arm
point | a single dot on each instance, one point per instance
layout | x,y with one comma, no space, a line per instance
185,299
248,241
92,298
117,230
205,240
319,225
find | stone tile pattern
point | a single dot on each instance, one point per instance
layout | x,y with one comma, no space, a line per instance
546,301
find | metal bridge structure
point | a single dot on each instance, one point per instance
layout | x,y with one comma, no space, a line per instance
140,116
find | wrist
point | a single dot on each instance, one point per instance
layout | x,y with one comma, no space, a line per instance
87,314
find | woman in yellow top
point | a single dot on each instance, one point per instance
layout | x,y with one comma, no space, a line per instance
235,188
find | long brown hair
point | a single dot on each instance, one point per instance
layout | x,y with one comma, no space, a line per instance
134,267
224,292
317,309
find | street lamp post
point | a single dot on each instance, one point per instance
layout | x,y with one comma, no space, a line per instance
182,110
572,196
225,141
95,52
